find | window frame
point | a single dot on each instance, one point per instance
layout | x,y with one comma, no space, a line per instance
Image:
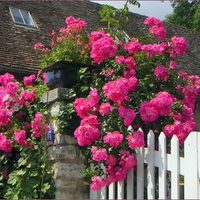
30,18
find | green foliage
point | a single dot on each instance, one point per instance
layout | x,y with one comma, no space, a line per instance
186,13
115,17
24,171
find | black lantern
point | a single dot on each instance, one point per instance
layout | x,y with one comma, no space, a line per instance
63,73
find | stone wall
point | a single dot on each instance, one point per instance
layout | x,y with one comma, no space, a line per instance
64,154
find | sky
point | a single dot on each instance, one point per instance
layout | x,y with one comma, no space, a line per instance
157,8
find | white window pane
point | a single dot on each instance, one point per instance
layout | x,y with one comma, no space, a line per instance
17,16
22,17
27,18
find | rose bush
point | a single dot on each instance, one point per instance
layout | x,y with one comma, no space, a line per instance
24,171
137,87
143,89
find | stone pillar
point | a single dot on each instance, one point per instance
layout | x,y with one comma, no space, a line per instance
64,154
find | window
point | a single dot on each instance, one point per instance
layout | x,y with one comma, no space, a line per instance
22,17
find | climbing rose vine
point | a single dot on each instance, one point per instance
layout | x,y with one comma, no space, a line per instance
24,172
136,88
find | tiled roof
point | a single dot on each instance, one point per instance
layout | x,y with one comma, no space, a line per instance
17,41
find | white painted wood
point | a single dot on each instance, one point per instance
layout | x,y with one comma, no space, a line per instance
103,190
198,161
120,189
111,191
189,166
150,167
175,168
95,194
162,166
103,193
130,184
191,175
140,173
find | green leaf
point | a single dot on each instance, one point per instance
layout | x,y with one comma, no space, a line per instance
21,162
13,178
12,193
21,172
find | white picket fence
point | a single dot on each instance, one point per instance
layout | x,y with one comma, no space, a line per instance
143,184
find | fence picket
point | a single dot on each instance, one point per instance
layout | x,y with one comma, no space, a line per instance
198,161
130,184
150,167
140,173
111,191
175,166
120,189
191,175
95,194
162,166
103,193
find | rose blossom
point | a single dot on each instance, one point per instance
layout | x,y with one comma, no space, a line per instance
99,154
148,112
98,183
20,137
105,108
113,138
136,139
161,72
28,80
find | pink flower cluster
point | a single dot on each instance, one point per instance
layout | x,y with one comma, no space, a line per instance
103,48
159,105
13,99
133,46
113,138
75,24
136,139
156,27
184,121
99,154
38,125
83,106
153,49
128,61
5,144
178,45
119,172
28,80
105,108
114,172
127,114
88,130
117,90
161,72
20,137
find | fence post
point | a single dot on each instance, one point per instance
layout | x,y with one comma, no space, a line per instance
150,167
64,153
140,173
175,163
162,154
191,167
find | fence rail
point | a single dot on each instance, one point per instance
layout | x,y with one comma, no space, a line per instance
158,173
